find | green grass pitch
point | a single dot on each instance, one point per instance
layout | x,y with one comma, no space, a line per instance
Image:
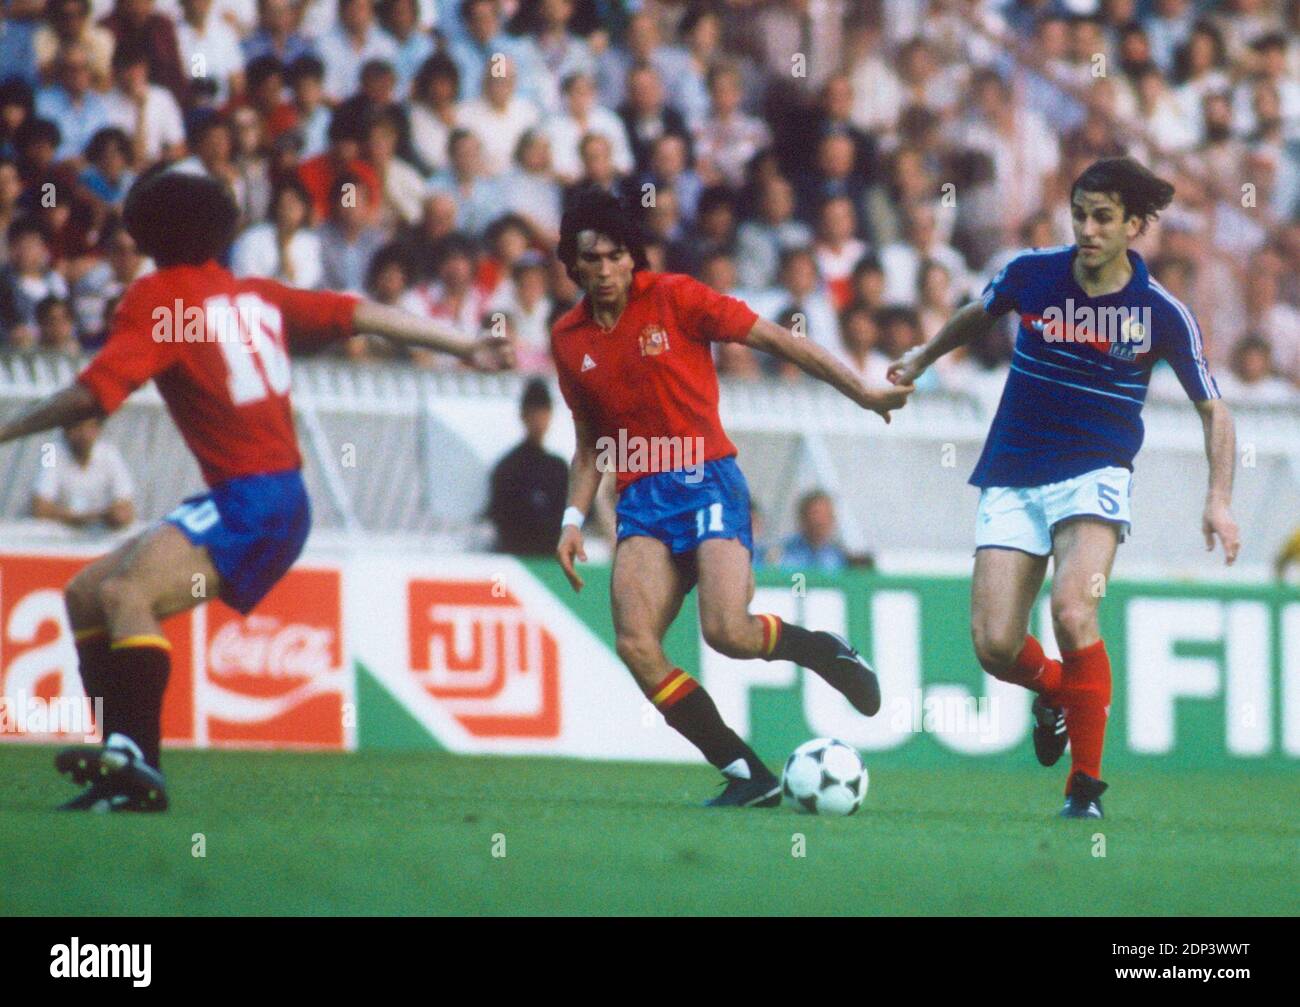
386,833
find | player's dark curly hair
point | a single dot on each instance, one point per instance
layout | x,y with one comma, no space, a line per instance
619,220
177,218
1140,191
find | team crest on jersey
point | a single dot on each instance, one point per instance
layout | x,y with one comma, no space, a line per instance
654,341
1133,337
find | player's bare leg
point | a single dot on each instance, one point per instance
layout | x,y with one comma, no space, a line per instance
726,587
1003,591
646,590
115,606
1084,551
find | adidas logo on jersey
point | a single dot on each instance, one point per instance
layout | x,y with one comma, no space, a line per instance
587,362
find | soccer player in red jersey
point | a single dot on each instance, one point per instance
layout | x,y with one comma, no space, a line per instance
636,369
217,347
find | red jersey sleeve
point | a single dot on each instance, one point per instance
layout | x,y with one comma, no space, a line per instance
708,316
312,318
139,346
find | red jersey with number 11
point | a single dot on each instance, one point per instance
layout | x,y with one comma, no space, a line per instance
652,375
218,347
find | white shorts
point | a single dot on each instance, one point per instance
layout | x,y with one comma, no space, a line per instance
1023,517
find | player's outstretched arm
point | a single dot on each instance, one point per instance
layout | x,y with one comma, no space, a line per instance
488,353
584,481
816,362
1221,450
968,323
68,405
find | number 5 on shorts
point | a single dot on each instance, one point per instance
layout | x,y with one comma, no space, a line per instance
1108,498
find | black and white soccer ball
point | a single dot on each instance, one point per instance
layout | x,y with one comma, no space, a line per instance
824,777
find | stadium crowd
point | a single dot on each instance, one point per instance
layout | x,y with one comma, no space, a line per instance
854,169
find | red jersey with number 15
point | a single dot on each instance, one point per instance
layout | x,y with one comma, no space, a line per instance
218,347
652,375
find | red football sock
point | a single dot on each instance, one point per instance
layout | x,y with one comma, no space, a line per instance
1035,670
1086,698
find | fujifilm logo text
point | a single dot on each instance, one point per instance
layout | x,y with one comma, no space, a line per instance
102,961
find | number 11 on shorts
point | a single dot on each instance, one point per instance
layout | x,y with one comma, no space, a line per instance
713,512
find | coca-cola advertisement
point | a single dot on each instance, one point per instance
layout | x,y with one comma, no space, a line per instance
276,676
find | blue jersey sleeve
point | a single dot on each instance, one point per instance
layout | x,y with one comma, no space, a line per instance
1179,342
1003,293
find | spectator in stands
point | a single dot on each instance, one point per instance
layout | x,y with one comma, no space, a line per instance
108,177
561,51
72,103
529,486
351,43
401,187
414,45
434,110
120,265
727,138
1272,319
17,103
135,25
581,115
56,326
935,301
25,281
349,239
837,250
68,23
646,117
902,259
761,241
526,300
832,177
670,167
860,334
529,189
86,483
285,247
475,194
276,34
833,114
801,295
715,225
306,79
453,296
598,169
816,545
1252,378
145,111
499,116
483,40
347,135
209,47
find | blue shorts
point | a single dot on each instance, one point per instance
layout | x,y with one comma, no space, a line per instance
681,511
253,528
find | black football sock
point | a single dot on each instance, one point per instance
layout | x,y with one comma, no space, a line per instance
815,650
92,663
690,711
137,672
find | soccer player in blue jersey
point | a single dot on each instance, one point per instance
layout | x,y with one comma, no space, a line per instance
1056,470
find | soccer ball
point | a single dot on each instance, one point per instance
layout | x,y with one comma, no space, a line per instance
824,777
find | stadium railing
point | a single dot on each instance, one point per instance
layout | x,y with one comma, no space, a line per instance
391,452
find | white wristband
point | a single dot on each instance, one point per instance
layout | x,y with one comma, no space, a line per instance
573,516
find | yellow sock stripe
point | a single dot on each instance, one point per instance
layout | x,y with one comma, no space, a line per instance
83,635
674,683
143,640
769,633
